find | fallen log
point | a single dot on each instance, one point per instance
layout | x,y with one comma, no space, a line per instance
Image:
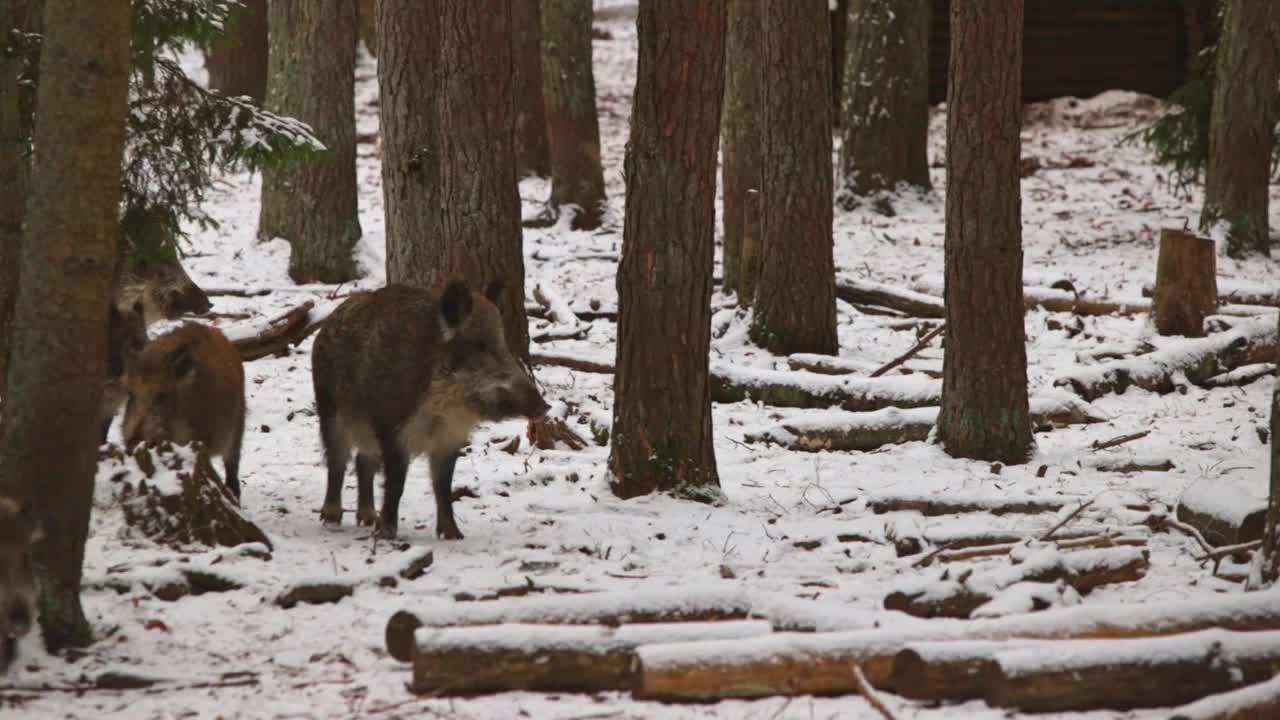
833,365
1197,359
1236,292
839,430
962,536
1228,509
1124,674
1252,702
549,658
1055,299
916,349
1243,375
958,598
949,670
960,504
276,335
818,663
782,388
557,307
572,362
410,565
865,292
1105,540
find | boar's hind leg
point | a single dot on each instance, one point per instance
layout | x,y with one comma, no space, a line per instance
442,486
395,465
366,467
336,453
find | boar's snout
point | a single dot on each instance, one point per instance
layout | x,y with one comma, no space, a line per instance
521,400
190,300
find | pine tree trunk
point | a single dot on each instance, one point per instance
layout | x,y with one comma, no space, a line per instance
985,412
368,12
569,87
532,151
795,305
742,137
408,35
312,203
1269,559
662,401
839,48
13,179
49,433
479,237
1246,107
885,121
237,61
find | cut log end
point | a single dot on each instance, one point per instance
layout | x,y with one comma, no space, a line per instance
1186,283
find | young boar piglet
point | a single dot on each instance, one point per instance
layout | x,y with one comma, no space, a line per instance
19,530
401,372
188,385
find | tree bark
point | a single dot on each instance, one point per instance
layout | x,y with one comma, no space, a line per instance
408,36
984,393
531,144
237,61
742,135
572,124
885,120
662,400
795,304
1246,107
368,12
479,238
49,433
13,178
839,50
1186,283
312,203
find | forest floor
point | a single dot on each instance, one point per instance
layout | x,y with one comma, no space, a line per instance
1092,212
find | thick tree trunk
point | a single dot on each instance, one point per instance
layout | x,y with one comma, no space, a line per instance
237,61
408,36
532,155
13,178
49,433
1186,283
662,400
312,203
839,12
984,391
573,126
479,237
368,25
1246,107
741,136
795,304
885,120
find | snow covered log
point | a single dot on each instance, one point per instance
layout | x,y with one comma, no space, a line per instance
782,388
549,658
557,307
1228,509
834,365
409,565
1055,299
958,598
1186,283
949,670
818,663
1125,674
839,430
1251,702
273,336
1235,291
1241,376
961,503
1197,359
865,292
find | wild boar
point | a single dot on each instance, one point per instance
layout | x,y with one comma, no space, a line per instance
401,372
126,335
162,287
19,530
186,385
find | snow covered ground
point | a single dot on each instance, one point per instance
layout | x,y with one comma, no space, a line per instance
548,515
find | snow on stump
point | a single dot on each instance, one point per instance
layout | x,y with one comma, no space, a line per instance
550,658
173,495
1227,510
1186,283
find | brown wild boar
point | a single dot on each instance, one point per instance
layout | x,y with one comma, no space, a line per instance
19,530
401,372
162,287
186,385
126,335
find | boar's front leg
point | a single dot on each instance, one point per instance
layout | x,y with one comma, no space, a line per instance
442,465
336,454
366,467
395,465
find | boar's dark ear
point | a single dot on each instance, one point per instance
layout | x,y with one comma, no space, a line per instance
494,291
181,361
138,309
455,304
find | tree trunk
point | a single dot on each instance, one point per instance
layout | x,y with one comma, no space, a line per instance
1269,558
573,127
312,203
885,120
1186,283
839,13
984,392
479,237
1246,107
13,179
408,36
662,395
742,136
531,145
795,304
49,433
237,61
367,10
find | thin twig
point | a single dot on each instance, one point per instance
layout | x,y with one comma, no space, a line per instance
1180,526
873,698
1072,516
924,343
1113,442
927,559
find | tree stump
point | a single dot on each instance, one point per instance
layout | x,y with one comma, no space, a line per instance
1186,283
173,495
